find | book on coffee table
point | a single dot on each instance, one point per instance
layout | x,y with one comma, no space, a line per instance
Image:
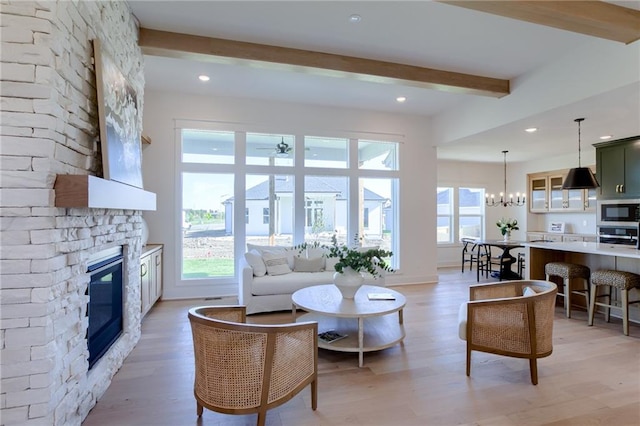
330,336
381,296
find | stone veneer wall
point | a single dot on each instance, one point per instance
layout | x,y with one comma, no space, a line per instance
49,127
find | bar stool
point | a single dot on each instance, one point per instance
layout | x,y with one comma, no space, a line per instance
624,281
569,271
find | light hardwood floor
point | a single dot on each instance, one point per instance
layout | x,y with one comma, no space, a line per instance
592,377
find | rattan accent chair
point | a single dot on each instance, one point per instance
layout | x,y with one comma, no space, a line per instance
250,368
500,319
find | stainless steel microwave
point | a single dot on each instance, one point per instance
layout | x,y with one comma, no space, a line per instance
618,212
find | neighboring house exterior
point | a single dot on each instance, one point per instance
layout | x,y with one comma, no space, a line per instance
325,207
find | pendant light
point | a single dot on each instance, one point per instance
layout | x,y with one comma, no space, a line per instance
504,200
580,177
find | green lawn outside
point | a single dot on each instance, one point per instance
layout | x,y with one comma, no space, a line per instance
207,268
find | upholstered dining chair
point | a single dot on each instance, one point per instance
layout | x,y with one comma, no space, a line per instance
250,368
511,318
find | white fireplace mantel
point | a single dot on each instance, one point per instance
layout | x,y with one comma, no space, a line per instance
94,192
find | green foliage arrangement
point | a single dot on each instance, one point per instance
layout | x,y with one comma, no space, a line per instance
507,225
371,260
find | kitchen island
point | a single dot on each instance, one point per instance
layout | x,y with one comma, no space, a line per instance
594,255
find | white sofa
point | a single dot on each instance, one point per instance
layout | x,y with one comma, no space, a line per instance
269,293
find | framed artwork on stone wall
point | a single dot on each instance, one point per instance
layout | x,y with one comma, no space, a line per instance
120,121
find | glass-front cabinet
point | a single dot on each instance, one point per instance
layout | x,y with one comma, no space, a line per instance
546,194
556,194
538,194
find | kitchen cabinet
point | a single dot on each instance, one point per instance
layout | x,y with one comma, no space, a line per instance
150,276
538,194
546,194
618,168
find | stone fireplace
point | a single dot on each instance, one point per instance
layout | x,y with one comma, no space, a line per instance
50,128
104,313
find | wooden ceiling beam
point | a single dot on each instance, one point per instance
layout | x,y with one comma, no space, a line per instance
208,49
594,18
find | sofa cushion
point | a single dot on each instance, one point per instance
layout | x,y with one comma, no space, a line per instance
302,264
330,264
254,259
289,251
276,263
317,252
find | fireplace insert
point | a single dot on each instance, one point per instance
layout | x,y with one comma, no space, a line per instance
105,302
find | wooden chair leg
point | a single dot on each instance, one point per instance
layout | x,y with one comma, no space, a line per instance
533,366
567,297
199,409
314,395
262,417
592,303
468,360
625,311
607,310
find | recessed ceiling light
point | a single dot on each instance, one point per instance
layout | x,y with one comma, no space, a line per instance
531,129
204,77
355,18
401,99
605,137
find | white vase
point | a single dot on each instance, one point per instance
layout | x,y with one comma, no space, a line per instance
348,282
507,236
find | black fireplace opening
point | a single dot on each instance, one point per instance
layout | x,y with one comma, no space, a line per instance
105,311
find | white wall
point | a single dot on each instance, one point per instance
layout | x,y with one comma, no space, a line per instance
417,162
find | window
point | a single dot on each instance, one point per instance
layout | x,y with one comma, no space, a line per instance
326,206
207,247
208,147
325,152
445,215
465,220
374,155
365,219
314,215
470,213
349,188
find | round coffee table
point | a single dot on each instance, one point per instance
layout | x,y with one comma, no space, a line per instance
369,325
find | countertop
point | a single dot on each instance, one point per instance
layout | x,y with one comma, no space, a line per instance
592,248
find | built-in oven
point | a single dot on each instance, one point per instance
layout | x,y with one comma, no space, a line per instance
624,235
618,212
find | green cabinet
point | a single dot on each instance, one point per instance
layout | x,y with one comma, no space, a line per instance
618,168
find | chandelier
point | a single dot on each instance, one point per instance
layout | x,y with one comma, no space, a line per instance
504,201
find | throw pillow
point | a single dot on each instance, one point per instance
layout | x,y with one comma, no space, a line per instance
302,264
318,252
276,263
254,259
528,291
330,264
290,252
